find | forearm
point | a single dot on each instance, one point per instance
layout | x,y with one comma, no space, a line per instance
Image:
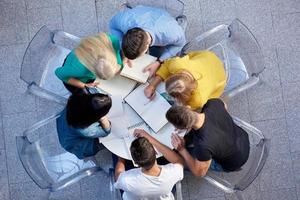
76,83
168,153
120,167
156,81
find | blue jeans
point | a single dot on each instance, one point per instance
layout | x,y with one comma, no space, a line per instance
215,166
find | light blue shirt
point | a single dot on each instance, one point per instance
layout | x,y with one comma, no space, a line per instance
163,28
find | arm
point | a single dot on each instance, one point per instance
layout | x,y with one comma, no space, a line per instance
198,168
114,27
150,89
120,167
170,51
168,153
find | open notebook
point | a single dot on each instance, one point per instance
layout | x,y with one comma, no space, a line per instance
136,71
120,86
152,112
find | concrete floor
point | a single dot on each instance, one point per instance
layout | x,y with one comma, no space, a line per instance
272,106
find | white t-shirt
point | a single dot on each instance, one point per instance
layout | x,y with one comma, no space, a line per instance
139,186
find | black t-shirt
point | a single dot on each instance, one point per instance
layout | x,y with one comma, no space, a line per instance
220,138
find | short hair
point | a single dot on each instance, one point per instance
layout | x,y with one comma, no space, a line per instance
134,42
180,86
85,109
181,117
143,153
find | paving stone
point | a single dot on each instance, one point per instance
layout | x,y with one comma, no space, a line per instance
287,6
238,106
276,131
277,173
11,55
2,143
71,192
14,125
95,187
218,10
27,191
282,194
18,104
41,4
13,24
250,193
296,166
79,17
287,30
105,11
260,26
291,93
289,64
215,198
49,16
4,190
199,188
185,189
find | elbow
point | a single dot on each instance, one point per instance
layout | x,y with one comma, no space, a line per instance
199,173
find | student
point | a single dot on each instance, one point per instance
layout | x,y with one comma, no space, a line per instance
150,180
82,122
192,79
216,141
95,56
142,27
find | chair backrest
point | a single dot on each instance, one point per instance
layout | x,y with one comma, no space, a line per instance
233,43
174,7
46,162
231,182
40,60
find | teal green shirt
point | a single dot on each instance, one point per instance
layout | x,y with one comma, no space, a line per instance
73,68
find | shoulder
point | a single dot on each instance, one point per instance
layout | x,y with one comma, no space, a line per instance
214,103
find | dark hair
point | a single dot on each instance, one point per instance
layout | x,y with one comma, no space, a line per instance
85,109
181,117
134,42
143,153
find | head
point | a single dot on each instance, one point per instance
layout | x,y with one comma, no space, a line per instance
135,43
181,117
181,86
97,54
84,110
143,153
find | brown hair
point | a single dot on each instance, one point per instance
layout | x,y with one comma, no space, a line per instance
181,117
143,153
134,42
98,55
181,86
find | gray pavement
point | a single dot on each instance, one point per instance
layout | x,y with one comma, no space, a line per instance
273,106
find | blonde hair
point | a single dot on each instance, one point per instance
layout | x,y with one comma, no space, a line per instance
98,55
181,86
181,117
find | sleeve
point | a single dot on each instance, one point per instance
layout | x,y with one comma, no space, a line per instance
66,71
163,71
94,131
121,183
216,104
114,27
202,153
178,170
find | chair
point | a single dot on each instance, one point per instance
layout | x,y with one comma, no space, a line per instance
236,182
239,51
174,7
43,55
47,163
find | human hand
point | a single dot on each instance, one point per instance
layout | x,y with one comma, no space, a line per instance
151,68
104,122
142,133
127,62
94,84
177,142
149,92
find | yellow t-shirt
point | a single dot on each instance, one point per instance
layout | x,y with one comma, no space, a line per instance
205,67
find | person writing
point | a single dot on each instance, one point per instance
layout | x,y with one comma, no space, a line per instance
144,27
95,56
82,122
150,180
213,141
192,79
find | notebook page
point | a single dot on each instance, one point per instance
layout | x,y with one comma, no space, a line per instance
136,71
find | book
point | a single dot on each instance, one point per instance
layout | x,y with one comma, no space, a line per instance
136,71
118,85
151,111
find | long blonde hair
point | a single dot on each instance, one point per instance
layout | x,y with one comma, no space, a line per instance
98,55
181,86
